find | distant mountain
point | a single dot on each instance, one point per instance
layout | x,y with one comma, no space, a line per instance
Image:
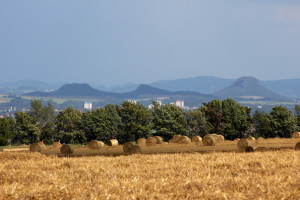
201,84
142,92
249,88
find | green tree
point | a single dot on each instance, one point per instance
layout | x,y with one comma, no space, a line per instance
262,124
136,122
168,120
102,123
27,130
283,121
7,130
197,123
69,127
297,110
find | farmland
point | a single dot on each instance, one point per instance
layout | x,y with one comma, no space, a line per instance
258,175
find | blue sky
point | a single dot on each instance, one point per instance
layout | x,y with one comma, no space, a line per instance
115,42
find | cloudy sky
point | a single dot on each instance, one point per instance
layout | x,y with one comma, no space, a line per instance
115,41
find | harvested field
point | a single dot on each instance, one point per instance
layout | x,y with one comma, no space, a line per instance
257,175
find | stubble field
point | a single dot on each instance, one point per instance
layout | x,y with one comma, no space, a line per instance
229,175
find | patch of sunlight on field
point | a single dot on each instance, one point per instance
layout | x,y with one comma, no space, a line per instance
258,175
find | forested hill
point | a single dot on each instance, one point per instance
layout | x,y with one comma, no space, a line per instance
249,88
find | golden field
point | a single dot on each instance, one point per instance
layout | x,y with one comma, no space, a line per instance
222,175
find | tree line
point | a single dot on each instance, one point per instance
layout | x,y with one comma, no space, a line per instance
131,121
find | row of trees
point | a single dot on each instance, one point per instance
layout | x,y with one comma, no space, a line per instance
130,121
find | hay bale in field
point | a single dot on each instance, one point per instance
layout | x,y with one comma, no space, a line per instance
176,138
219,138
184,140
36,147
113,142
196,139
296,135
165,143
94,144
297,147
66,149
171,141
141,142
249,149
131,148
159,139
243,143
127,147
209,141
56,145
250,138
151,141
236,139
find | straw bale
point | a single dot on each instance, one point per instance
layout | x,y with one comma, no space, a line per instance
113,142
176,138
141,142
94,144
297,147
249,149
184,140
159,139
196,139
171,141
219,138
67,149
250,138
296,135
243,143
236,139
151,141
164,143
135,149
127,147
56,145
209,141
36,147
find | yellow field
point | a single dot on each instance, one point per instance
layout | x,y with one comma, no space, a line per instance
230,175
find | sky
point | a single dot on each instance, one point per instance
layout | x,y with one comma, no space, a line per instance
115,41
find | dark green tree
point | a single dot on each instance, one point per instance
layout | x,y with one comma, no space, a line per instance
283,121
27,130
69,127
102,123
262,124
197,123
7,130
136,122
297,110
168,120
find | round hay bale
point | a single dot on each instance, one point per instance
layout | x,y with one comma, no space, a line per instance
127,147
141,142
151,141
94,144
171,141
219,138
250,138
243,143
249,149
164,143
66,149
176,138
297,147
196,139
184,140
209,141
56,145
113,142
36,147
260,138
236,139
296,135
159,139
135,149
